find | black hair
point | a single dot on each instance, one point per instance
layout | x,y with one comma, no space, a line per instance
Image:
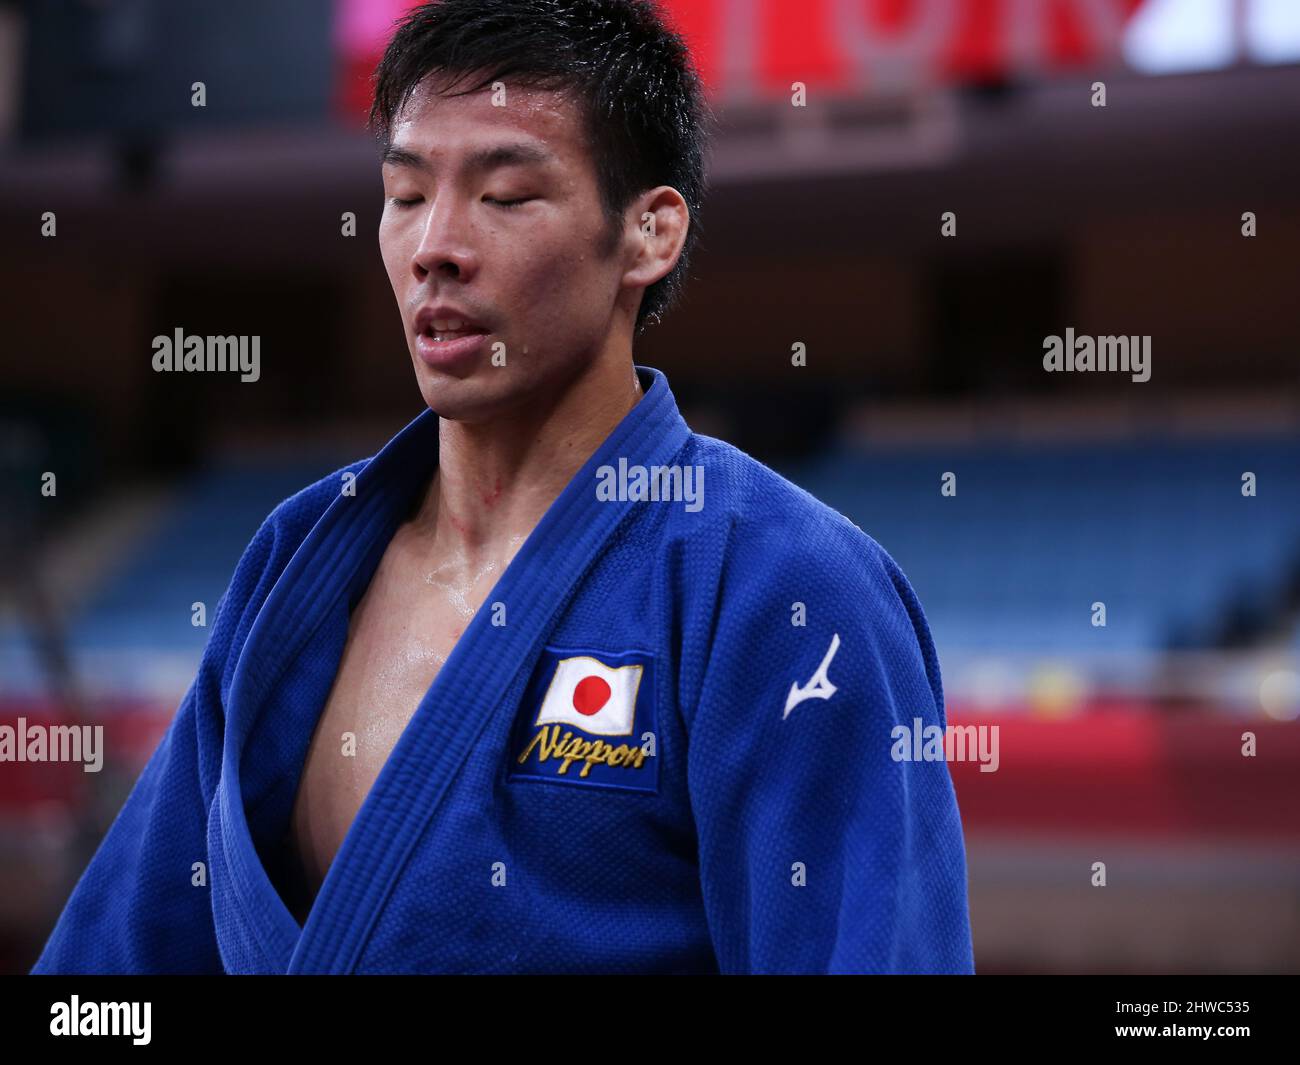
642,103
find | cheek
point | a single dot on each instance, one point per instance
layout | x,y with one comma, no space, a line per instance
392,247
560,276
556,291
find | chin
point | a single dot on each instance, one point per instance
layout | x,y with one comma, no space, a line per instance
463,399
482,392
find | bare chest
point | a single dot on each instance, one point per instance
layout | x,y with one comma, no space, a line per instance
401,633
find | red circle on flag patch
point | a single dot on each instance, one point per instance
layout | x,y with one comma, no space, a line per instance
590,695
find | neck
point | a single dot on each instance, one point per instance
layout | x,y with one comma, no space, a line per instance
496,479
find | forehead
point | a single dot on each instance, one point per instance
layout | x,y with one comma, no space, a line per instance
431,122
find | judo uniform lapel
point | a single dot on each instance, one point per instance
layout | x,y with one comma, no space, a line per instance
470,688
350,534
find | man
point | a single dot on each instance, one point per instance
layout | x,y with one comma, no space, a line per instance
550,683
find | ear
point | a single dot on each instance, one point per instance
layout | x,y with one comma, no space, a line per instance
657,225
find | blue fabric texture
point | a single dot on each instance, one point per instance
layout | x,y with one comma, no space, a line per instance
716,833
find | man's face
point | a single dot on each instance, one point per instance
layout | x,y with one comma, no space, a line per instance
512,240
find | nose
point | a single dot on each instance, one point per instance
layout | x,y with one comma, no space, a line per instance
445,245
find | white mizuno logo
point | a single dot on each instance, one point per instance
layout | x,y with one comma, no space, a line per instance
819,687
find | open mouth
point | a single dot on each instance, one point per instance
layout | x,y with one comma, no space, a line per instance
450,329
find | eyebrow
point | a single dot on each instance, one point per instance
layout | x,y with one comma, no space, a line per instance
481,160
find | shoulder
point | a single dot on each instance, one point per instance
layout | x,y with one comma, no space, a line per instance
782,563
266,555
285,528
770,523
293,518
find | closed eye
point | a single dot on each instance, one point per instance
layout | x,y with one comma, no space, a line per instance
397,201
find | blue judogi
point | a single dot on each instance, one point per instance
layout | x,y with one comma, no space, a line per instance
727,675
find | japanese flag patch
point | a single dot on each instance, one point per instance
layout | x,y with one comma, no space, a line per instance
588,719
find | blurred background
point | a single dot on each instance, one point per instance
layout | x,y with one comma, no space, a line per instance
1120,744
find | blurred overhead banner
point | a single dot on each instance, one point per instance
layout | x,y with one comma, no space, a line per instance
756,49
